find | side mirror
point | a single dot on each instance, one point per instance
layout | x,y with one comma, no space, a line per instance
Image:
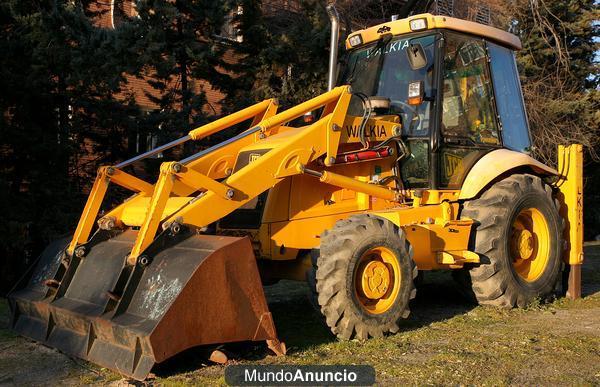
416,56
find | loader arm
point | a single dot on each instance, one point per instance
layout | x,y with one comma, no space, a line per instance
215,167
168,200
285,155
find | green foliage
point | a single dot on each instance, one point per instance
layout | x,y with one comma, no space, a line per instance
560,37
57,81
176,45
283,54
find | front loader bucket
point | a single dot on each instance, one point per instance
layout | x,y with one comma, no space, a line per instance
198,290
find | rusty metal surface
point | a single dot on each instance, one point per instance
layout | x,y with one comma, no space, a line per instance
196,290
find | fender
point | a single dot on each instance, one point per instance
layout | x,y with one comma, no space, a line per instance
495,164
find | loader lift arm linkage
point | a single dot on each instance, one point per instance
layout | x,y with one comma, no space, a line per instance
114,174
195,173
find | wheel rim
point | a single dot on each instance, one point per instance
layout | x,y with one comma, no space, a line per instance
530,241
377,280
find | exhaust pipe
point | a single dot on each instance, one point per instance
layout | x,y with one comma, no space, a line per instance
334,17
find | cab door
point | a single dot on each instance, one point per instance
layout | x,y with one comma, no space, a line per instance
469,127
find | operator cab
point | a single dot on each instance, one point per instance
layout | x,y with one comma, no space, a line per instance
456,94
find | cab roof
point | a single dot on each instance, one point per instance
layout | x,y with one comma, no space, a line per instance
403,26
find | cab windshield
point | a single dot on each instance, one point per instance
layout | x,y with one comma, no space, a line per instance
383,70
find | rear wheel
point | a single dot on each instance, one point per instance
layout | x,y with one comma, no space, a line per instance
518,235
362,277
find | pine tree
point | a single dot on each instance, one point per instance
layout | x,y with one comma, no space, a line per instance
176,45
560,37
559,69
57,80
284,53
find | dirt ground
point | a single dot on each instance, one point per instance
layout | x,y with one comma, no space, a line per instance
446,340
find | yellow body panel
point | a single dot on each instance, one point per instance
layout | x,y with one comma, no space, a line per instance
402,26
570,165
431,230
496,163
137,208
288,238
277,206
308,198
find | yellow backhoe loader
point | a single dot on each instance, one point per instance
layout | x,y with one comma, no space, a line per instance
419,160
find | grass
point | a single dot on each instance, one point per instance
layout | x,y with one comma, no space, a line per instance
483,346
5,334
446,340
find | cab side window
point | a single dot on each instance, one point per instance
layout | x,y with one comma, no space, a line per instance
469,124
468,112
509,99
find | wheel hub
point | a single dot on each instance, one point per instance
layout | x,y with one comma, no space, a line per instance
525,244
375,280
530,244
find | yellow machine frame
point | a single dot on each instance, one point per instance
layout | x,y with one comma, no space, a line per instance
301,204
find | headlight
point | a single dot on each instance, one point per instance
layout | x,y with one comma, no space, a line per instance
355,40
418,24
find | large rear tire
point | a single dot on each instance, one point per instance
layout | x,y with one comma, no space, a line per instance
362,277
518,235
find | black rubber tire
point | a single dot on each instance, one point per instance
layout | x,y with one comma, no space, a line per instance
494,281
331,278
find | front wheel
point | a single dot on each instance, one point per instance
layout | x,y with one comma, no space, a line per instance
362,278
518,235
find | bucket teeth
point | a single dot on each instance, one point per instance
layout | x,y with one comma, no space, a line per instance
277,347
199,290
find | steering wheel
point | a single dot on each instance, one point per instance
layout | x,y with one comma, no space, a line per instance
415,119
